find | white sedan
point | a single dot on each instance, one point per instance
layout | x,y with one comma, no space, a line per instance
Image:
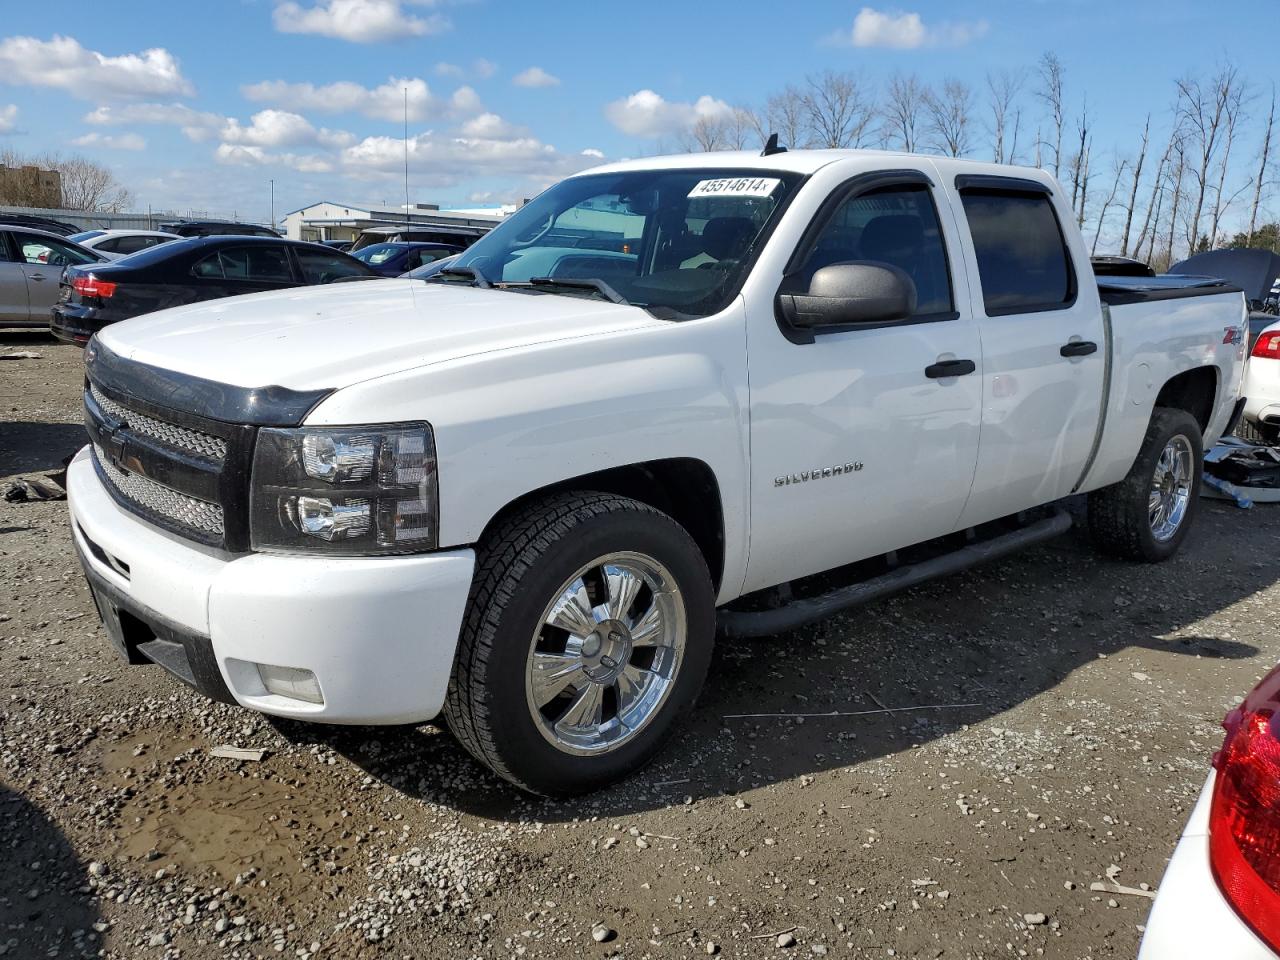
1261,385
114,244
1220,896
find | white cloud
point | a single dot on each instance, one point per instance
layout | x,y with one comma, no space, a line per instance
385,102
535,77
358,21
646,114
196,124
466,101
593,153
491,126
63,63
442,160
125,141
249,156
481,69
897,30
8,117
280,128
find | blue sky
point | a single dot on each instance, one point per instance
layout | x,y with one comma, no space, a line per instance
199,105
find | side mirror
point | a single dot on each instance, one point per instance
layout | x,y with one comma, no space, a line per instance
849,294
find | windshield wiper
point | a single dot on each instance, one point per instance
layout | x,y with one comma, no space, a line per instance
579,283
470,273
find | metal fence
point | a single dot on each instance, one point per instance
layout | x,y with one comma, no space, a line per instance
101,220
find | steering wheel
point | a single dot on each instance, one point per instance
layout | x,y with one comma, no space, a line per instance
539,231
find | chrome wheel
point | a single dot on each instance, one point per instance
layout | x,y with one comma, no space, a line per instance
1171,488
606,653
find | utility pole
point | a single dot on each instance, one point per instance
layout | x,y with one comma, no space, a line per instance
406,162
273,202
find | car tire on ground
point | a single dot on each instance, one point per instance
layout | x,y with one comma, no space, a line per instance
1147,515
588,634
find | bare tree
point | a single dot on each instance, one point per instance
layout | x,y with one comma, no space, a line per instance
1151,222
839,109
1261,178
1003,88
786,114
85,185
1177,178
1120,166
1133,192
1050,93
1234,110
707,134
949,117
1080,162
904,111
1203,112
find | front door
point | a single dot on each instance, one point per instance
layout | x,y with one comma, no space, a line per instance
1043,347
43,260
859,444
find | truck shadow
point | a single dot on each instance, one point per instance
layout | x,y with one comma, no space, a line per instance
42,880
913,668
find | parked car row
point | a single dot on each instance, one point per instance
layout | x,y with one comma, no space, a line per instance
190,271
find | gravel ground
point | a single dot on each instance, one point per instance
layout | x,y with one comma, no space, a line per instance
1080,705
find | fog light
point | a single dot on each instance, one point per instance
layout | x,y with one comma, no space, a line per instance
292,682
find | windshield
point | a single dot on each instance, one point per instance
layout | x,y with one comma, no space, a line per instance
677,242
379,253
87,235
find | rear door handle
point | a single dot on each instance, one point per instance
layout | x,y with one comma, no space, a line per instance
35,276
1078,348
949,368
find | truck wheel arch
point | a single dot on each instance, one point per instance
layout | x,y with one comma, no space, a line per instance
1194,391
684,488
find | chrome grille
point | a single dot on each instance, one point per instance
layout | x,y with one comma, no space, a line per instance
158,499
183,438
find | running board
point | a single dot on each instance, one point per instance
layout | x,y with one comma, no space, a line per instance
763,623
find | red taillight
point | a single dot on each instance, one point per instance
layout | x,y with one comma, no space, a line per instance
1268,345
1244,818
91,286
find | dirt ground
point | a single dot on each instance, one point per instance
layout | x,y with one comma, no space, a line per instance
1056,715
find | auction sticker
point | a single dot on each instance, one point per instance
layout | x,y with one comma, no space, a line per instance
735,187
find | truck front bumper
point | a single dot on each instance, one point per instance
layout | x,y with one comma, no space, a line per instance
378,634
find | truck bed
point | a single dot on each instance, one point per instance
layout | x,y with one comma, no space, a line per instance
1168,286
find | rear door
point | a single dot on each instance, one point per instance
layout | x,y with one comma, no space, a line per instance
1043,344
14,306
43,260
248,268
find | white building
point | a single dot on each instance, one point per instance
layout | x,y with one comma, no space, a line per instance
337,221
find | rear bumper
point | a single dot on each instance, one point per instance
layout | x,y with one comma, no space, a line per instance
72,324
1190,919
378,633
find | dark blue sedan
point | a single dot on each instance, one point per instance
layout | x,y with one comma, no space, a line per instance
393,259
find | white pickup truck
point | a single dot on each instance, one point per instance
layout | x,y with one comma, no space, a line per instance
668,398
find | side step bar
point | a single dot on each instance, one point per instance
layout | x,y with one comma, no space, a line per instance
763,623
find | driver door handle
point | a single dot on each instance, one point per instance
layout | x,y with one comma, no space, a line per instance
1078,348
949,368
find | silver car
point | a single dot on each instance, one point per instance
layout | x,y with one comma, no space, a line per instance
31,264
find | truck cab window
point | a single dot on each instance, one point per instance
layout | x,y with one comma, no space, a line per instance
895,225
676,241
1023,263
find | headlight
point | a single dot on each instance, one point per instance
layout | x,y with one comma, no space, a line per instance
344,490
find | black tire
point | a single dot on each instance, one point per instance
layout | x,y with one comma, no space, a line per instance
1119,522
519,567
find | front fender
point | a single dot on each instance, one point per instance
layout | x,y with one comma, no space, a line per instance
514,421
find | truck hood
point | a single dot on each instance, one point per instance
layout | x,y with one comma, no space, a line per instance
332,336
